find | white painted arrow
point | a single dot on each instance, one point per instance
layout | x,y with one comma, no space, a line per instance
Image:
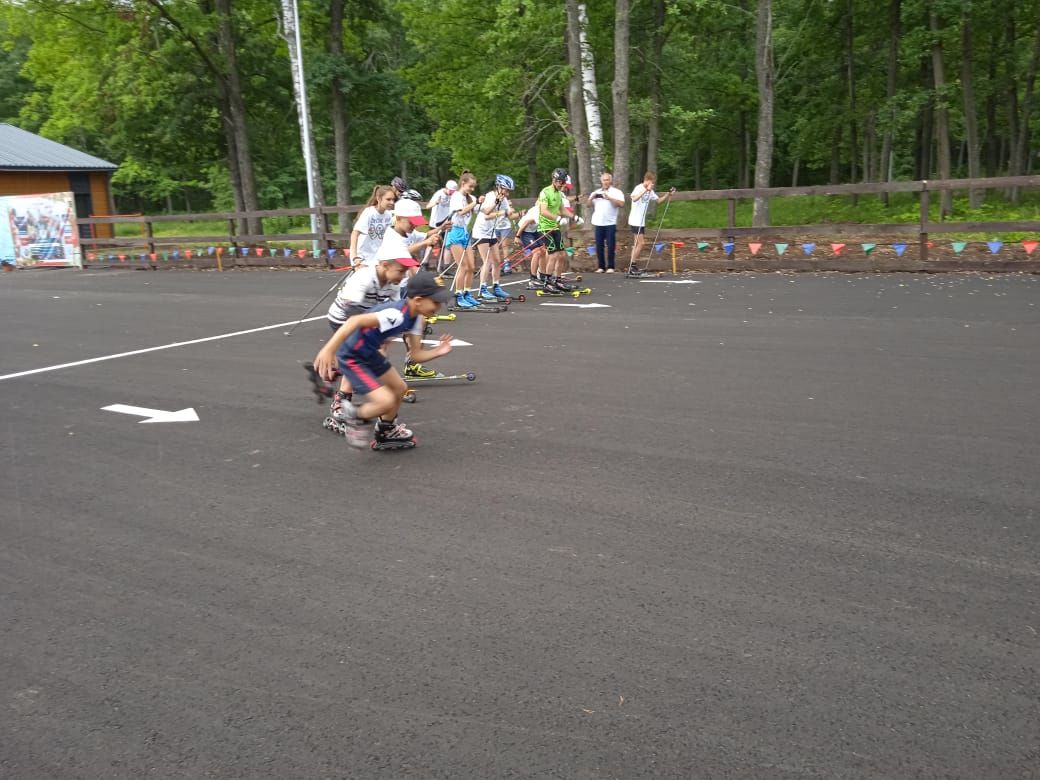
669,281
580,305
433,343
154,415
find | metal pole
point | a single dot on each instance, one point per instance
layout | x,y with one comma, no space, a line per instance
291,12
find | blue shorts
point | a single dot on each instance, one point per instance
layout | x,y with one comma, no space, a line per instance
457,235
529,240
362,374
503,233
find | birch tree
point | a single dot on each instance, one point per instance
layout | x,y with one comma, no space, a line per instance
589,95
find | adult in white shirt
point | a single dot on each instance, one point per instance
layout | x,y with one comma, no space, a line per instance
605,202
642,196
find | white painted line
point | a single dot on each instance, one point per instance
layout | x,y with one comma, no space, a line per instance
580,305
154,349
154,415
668,281
434,343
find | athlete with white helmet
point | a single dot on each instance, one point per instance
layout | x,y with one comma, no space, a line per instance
495,206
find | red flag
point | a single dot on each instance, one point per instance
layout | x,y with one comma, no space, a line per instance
91,256
153,257
122,258
754,248
1029,246
678,244
301,252
187,253
220,251
259,251
836,248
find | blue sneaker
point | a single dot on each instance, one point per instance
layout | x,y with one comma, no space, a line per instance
499,293
486,296
462,302
470,299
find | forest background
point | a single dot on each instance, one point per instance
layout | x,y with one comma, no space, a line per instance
194,98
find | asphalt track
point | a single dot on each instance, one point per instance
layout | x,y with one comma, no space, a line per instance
759,526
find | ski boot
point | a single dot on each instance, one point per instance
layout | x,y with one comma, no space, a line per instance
562,286
392,436
534,284
461,302
470,299
418,370
549,289
499,293
486,296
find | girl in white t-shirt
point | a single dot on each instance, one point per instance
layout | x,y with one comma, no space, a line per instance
368,231
461,210
495,207
642,196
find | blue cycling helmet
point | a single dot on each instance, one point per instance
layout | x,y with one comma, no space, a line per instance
501,180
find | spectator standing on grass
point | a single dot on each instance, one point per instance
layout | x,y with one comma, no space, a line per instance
606,202
642,196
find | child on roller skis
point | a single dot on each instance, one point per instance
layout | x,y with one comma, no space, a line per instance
368,231
642,196
458,240
495,206
355,351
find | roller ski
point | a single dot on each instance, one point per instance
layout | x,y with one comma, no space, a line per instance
391,436
439,377
505,298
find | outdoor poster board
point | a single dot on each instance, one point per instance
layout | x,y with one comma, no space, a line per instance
39,230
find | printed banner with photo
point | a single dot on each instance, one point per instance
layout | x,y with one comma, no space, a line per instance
39,230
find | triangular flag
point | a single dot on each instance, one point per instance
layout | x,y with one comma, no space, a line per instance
187,253
346,253
210,250
91,256
678,244
332,253
931,245
1029,246
658,248
153,257
220,251
301,252
591,250
570,251
754,248
259,251
165,257
836,248
122,258
808,248
994,246
728,247
958,246
780,249
286,252
176,254
900,248
868,248
702,245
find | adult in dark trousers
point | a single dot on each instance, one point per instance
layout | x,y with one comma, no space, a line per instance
605,203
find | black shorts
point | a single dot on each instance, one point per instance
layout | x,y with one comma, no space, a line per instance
638,231
488,241
554,241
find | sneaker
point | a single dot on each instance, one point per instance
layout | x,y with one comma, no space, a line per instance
391,431
610,270
468,297
486,295
418,370
499,293
461,302
599,270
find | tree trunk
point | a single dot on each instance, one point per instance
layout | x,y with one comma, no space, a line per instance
1020,154
992,130
315,196
743,151
622,139
237,110
589,95
531,144
764,74
850,78
575,102
942,122
340,121
891,84
653,130
971,124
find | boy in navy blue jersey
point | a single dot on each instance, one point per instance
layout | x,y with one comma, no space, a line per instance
354,351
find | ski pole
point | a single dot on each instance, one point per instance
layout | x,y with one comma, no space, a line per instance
658,234
317,303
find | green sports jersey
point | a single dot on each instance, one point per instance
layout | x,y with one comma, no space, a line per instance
553,200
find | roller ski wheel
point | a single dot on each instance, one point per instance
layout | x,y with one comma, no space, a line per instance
410,397
482,309
521,298
336,426
382,446
428,330
323,390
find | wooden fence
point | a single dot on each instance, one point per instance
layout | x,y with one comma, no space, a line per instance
329,241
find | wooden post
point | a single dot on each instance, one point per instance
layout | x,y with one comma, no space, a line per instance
923,227
231,239
731,212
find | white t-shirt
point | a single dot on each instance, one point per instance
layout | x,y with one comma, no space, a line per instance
372,225
440,206
361,291
641,199
530,220
459,202
395,245
484,227
603,211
